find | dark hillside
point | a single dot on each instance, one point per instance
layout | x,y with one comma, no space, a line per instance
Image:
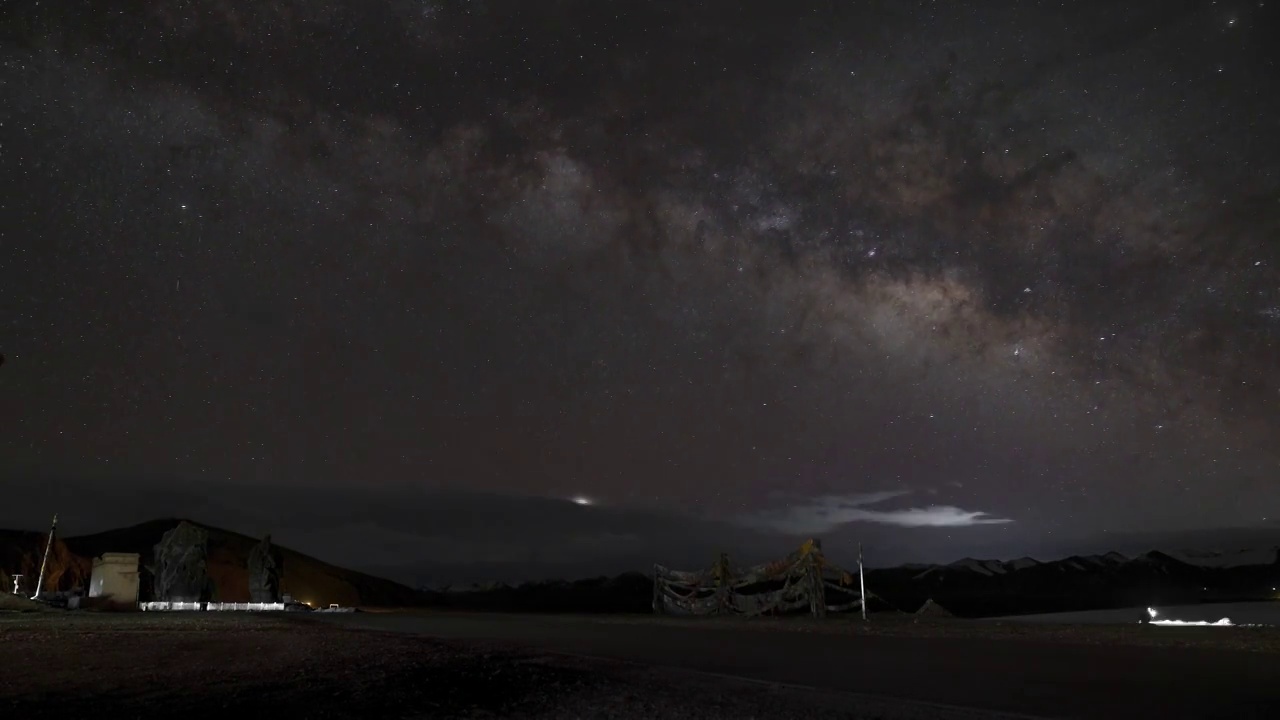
21,552
304,577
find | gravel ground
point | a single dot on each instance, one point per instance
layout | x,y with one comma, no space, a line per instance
17,603
206,665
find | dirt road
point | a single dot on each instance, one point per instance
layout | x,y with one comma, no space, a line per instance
1036,678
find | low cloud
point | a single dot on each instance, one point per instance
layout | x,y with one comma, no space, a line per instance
821,514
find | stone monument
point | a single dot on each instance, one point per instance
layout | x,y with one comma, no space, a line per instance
181,572
264,572
115,576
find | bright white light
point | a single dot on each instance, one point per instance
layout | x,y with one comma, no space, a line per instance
581,500
1152,612
1224,622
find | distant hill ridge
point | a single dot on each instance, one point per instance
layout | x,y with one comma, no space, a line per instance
991,587
1256,557
986,567
968,587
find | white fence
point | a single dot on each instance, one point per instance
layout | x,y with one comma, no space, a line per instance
243,607
209,607
804,580
170,606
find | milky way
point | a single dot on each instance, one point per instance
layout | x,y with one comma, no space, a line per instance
998,270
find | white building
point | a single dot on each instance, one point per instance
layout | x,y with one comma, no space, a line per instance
115,576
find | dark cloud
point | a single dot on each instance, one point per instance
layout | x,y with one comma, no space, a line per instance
437,536
1016,259
434,536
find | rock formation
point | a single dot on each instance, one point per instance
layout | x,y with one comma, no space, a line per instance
931,609
181,573
264,572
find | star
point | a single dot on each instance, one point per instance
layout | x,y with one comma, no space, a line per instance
450,255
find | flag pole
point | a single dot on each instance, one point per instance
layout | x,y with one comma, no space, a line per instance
45,562
862,583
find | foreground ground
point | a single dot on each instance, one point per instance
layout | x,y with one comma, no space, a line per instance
1080,672
427,665
223,665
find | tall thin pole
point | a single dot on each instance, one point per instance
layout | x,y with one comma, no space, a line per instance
657,590
45,562
862,583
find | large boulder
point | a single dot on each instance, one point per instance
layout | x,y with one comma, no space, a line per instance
265,565
181,564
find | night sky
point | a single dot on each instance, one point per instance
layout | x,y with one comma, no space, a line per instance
399,280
